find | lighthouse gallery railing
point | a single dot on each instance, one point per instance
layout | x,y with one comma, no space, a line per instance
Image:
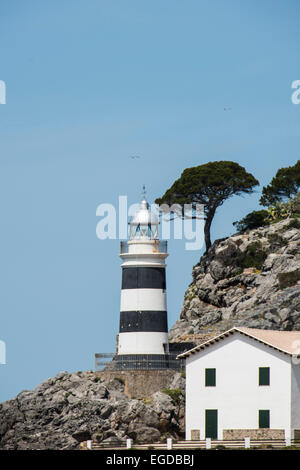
138,362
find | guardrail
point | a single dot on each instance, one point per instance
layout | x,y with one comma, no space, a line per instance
194,445
101,360
138,362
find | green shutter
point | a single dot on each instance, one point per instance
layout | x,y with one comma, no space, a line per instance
210,377
264,376
264,418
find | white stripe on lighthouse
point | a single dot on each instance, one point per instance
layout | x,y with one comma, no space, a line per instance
143,299
142,343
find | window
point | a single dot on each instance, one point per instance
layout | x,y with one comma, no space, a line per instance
264,418
264,376
210,377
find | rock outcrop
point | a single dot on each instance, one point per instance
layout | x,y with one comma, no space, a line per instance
70,408
249,279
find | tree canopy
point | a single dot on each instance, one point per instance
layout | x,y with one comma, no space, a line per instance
210,184
252,220
284,185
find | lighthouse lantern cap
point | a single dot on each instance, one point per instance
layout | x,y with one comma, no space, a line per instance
144,223
144,215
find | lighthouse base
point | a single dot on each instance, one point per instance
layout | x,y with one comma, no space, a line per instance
140,383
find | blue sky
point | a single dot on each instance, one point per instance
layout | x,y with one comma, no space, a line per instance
90,83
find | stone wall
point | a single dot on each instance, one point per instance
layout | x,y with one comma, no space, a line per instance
297,434
264,433
195,434
140,383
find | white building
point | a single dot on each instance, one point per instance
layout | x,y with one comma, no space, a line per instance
244,383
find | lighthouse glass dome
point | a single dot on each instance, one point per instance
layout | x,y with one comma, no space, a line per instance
144,223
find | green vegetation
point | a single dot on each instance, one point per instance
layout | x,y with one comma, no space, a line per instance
210,184
146,400
97,379
252,220
284,185
288,279
282,210
239,271
190,294
119,379
276,241
294,223
254,256
279,211
174,393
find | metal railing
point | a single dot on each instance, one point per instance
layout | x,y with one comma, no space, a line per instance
167,362
161,246
138,362
102,360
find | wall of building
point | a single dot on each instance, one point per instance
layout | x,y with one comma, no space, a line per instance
295,397
237,395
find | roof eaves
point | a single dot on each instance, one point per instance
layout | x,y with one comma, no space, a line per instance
207,343
264,342
226,334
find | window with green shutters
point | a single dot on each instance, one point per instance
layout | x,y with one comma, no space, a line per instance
210,377
264,376
264,418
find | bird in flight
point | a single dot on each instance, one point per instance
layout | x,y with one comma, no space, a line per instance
226,108
134,156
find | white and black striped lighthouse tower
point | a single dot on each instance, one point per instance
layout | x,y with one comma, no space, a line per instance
143,332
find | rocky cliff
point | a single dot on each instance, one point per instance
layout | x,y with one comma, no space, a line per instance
70,408
250,279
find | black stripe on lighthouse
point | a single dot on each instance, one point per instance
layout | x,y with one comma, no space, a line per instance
146,320
143,278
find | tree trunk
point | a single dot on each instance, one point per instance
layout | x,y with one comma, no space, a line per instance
208,221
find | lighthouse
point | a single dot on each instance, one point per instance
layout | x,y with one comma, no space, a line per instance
143,328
